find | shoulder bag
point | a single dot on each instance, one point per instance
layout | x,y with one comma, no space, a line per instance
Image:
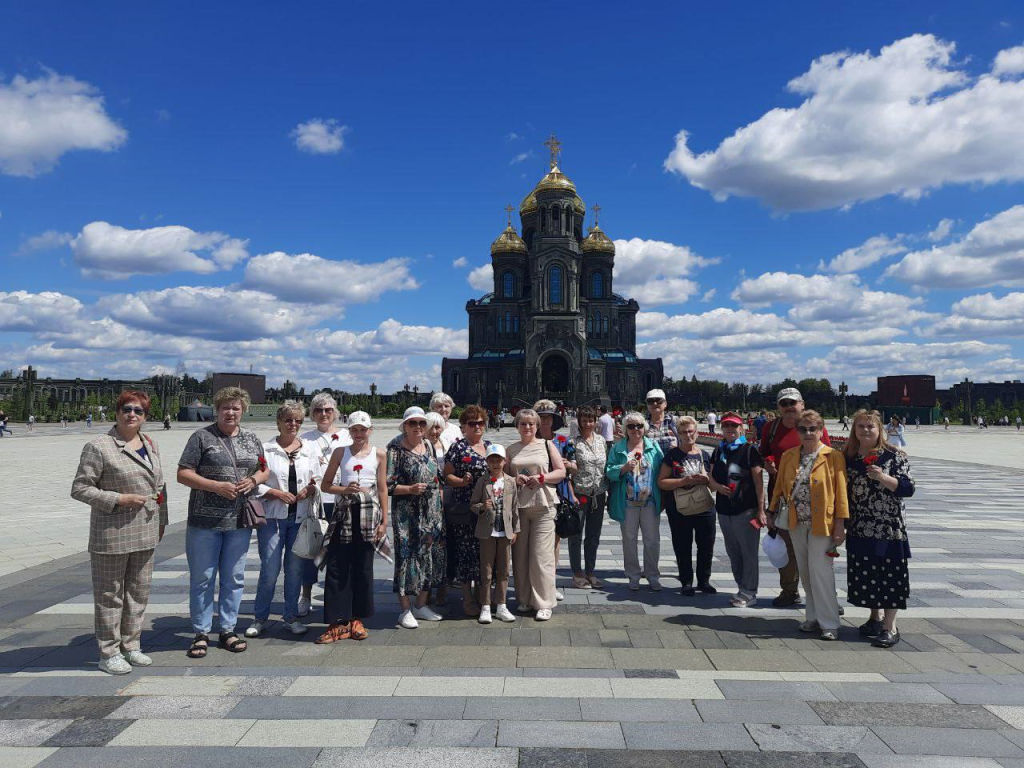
310,536
252,515
567,513
695,500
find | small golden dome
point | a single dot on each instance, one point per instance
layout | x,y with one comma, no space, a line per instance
508,241
598,241
555,180
529,204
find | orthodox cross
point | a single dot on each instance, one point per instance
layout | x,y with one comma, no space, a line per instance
555,146
509,209
597,212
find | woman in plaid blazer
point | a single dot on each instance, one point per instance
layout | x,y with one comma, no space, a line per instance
121,478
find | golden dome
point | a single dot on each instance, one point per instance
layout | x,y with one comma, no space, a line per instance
597,240
555,180
508,241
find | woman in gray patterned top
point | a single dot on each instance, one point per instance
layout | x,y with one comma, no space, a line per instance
222,464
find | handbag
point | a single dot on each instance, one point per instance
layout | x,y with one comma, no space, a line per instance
782,518
252,515
310,536
567,511
693,501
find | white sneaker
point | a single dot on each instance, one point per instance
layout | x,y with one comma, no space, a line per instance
524,607
296,627
115,665
558,595
254,630
543,614
425,614
504,614
407,620
485,614
303,608
138,659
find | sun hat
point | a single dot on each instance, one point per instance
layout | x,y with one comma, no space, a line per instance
413,412
789,393
775,548
557,421
656,394
732,418
359,419
495,450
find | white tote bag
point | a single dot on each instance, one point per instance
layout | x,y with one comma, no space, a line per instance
311,531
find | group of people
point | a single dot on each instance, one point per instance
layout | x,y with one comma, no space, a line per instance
463,511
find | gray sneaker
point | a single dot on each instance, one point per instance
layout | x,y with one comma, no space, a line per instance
115,665
138,659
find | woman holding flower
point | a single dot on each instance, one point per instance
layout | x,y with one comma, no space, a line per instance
550,422
355,477
634,499
591,489
120,476
464,464
877,549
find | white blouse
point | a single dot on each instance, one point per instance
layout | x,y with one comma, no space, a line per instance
307,466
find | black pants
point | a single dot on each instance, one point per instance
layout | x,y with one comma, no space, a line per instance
348,581
686,528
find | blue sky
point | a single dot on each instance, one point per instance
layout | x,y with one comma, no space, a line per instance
314,192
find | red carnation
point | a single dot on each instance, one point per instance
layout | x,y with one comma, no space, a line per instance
494,479
358,467
467,459
334,436
871,459
261,462
583,499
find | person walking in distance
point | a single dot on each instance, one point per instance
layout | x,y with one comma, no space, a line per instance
712,418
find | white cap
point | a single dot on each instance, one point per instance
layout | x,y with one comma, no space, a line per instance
359,419
413,412
789,393
495,450
656,394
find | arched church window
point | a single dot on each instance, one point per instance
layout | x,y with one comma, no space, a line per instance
597,290
508,285
515,324
508,322
555,285
501,325
597,324
590,324
604,328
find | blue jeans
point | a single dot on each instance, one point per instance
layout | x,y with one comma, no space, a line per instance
209,553
275,541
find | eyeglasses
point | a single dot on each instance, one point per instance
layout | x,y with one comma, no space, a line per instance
418,424
323,410
292,421
634,426
127,409
655,401
787,403
807,430
476,423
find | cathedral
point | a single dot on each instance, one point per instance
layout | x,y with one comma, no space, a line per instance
553,325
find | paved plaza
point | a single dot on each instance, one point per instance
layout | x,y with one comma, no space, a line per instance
615,678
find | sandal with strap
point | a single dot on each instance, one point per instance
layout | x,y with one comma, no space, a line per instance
358,630
334,634
197,651
236,647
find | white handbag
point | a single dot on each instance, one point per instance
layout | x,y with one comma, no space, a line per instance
311,532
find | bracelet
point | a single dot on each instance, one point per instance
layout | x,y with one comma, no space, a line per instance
541,478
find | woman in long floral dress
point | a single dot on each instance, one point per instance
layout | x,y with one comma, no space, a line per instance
416,518
877,547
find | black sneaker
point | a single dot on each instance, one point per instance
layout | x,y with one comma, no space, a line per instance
871,628
707,589
687,591
786,599
887,638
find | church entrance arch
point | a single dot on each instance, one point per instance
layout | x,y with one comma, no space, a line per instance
554,374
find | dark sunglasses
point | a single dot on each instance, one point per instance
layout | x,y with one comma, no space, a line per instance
787,403
806,430
655,401
126,409
634,426
476,423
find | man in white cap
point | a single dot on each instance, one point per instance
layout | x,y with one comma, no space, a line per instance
777,437
661,428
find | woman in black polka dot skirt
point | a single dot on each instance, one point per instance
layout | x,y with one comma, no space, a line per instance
876,534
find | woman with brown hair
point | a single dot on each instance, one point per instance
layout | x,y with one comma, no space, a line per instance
877,549
810,502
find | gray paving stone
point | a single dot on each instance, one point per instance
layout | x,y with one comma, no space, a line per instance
471,672
816,738
639,710
107,685
263,686
947,741
799,760
937,715
434,733
570,672
983,694
887,692
570,658
676,736
553,758
732,711
525,733
769,690
161,757
174,707
87,733
349,707
29,733
522,708
415,757
651,674
653,759
66,707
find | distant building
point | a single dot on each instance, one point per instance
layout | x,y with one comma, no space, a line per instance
909,397
1007,392
253,383
68,395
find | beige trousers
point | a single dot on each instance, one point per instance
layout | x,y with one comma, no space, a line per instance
495,557
817,572
120,591
533,558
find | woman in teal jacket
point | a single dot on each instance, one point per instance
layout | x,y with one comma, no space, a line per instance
634,500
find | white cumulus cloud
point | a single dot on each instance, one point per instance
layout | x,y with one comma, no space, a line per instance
42,119
904,121
38,312
482,278
1009,62
44,242
111,252
320,137
306,277
871,251
460,262
941,231
655,272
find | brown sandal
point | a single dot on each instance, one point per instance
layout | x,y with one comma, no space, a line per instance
334,633
238,646
197,651
358,631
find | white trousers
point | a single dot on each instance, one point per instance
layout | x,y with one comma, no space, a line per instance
817,572
643,519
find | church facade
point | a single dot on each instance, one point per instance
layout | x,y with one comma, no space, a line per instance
553,325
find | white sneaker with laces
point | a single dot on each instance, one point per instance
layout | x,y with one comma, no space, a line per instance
425,614
485,614
296,627
303,608
115,665
558,595
407,620
543,614
137,659
254,630
504,614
